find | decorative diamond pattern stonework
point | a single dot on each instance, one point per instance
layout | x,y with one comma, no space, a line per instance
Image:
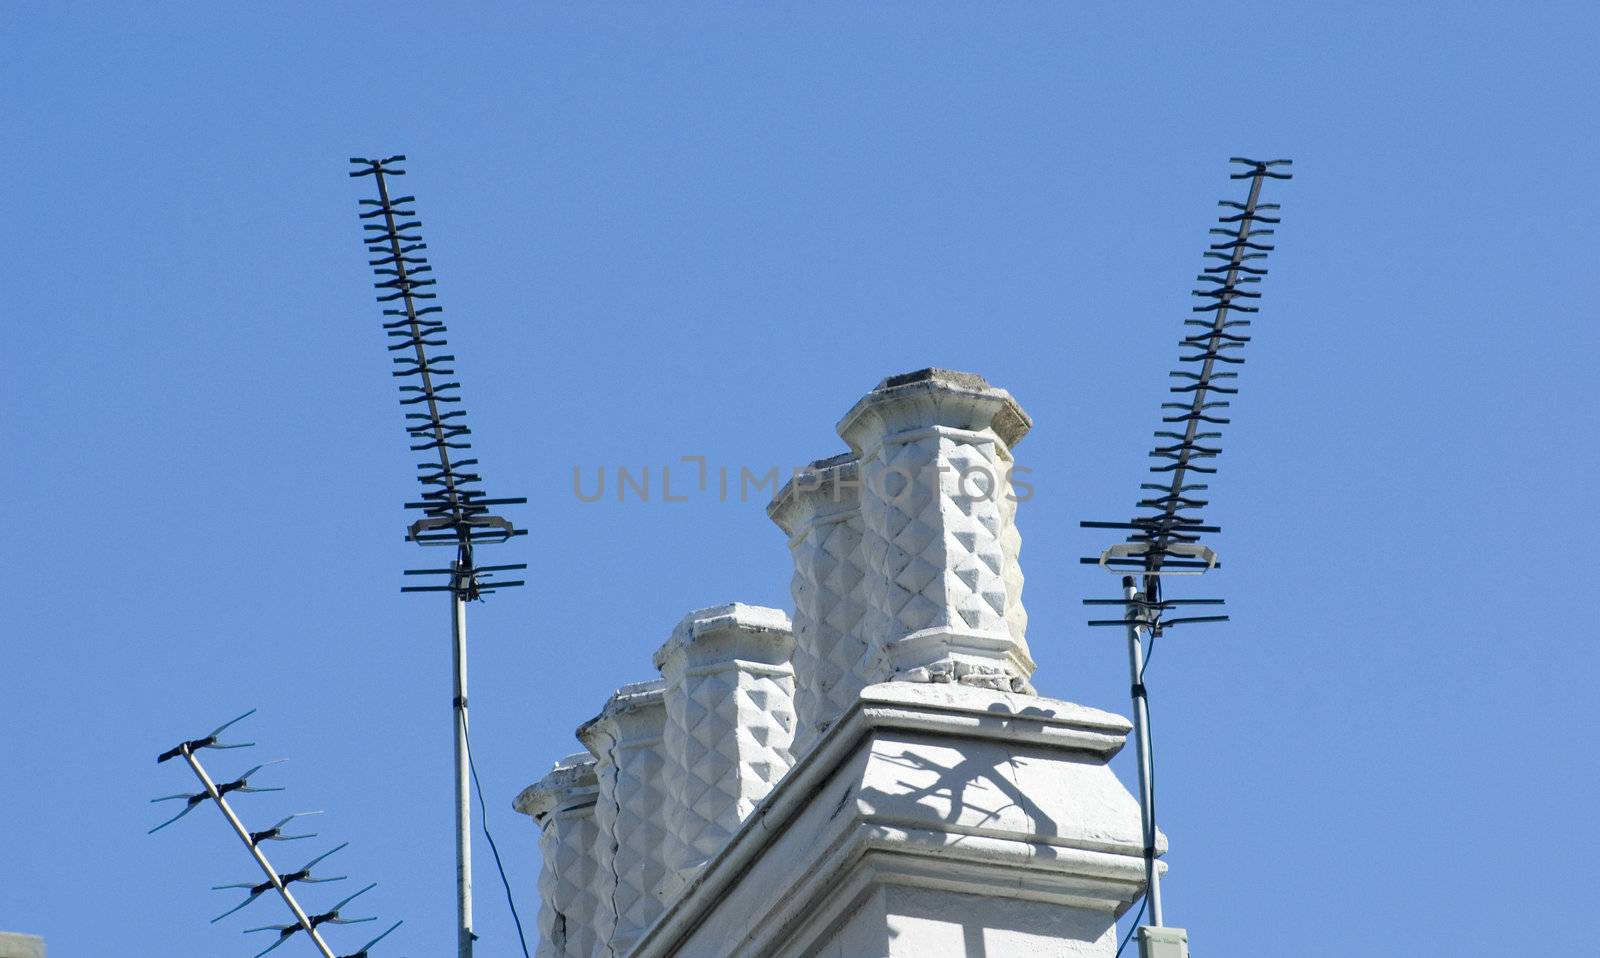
906,568
640,833
567,888
841,611
974,557
733,725
603,880
1011,546
940,548
630,766
828,607
902,521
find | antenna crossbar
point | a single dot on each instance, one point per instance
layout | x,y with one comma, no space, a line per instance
454,512
1163,540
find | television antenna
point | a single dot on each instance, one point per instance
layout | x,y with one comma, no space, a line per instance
1165,540
280,882
454,512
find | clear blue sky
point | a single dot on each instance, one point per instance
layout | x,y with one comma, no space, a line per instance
684,229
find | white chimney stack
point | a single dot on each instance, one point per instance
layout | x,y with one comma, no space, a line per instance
562,803
820,509
730,723
943,586
626,741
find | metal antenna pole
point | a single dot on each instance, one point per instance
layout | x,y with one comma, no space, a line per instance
255,851
1165,541
454,512
458,620
1141,732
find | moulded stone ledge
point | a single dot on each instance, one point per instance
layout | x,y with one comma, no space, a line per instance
927,397
825,486
570,775
981,795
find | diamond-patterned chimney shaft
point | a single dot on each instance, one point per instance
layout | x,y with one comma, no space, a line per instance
630,858
820,509
730,723
942,584
563,804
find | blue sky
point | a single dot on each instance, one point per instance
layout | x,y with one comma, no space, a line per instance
697,229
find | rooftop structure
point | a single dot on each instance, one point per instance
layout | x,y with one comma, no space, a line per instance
876,776
13,945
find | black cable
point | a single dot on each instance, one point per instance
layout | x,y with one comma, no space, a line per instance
1153,589
1131,929
483,816
1149,650
1149,743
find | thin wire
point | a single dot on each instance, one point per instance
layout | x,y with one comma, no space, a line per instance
1149,650
1149,724
483,817
1150,746
1131,928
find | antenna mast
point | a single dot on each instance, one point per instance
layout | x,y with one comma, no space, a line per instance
276,881
1165,541
453,512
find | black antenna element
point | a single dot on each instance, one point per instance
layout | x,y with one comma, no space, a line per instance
1165,539
275,880
454,511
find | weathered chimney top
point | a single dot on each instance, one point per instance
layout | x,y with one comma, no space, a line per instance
818,484
934,397
713,625
570,775
622,705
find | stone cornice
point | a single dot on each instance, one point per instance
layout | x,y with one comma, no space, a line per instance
572,780
733,630
1092,862
934,397
820,488
615,719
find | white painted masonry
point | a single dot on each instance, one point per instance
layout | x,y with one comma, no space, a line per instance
939,540
14,945
730,723
821,511
562,803
627,742
878,779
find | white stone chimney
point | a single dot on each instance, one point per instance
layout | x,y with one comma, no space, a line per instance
630,812
878,780
820,509
939,541
562,803
730,723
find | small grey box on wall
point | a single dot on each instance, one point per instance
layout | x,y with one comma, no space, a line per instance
1163,942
